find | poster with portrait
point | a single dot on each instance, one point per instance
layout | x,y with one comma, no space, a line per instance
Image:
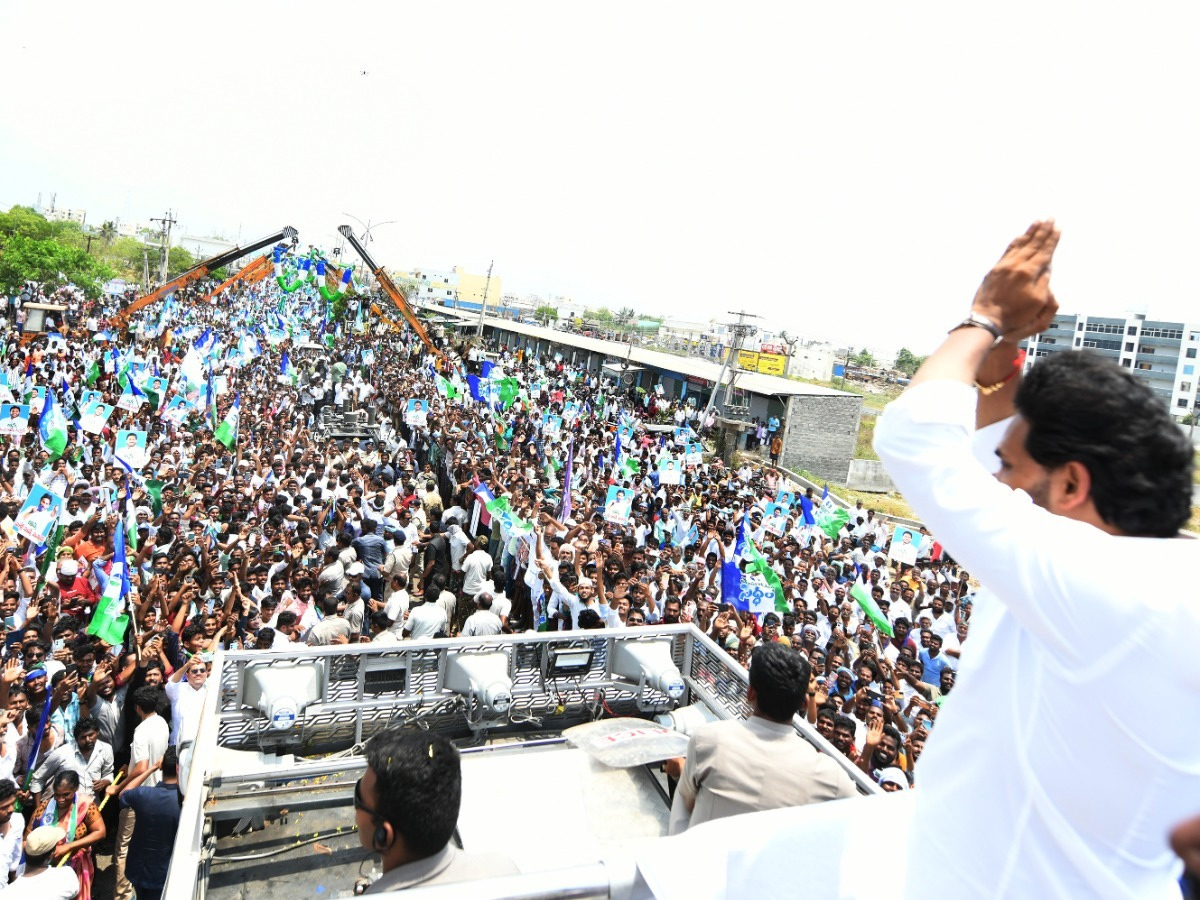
786,498
37,398
6,394
94,417
669,470
553,427
177,410
156,385
775,517
617,505
625,433
131,447
416,413
14,418
905,542
90,397
220,384
130,401
695,453
682,435
38,514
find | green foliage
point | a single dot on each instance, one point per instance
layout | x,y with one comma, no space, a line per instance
603,315
862,358
29,259
908,362
219,274
546,313
108,233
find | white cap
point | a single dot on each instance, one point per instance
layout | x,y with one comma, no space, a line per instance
355,568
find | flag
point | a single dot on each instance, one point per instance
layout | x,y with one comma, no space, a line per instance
508,389
476,391
154,488
286,369
731,573
831,517
871,609
53,427
564,509
760,566
111,620
227,432
806,507
446,388
93,373
485,369
51,549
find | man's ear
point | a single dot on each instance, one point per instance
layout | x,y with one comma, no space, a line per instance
1071,487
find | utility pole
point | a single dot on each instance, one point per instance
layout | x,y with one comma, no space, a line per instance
483,304
167,221
741,330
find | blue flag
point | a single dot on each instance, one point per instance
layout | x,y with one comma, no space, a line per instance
806,507
473,384
485,369
731,573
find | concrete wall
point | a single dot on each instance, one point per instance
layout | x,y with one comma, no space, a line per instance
821,434
869,475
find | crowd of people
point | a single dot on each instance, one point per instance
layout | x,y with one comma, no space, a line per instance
190,504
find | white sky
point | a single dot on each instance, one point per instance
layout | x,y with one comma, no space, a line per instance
848,171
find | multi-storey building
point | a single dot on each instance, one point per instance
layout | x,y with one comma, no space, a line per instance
1162,354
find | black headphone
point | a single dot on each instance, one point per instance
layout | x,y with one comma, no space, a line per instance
379,840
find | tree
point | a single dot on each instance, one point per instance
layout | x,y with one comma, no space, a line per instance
626,315
27,259
862,358
108,232
546,314
908,362
603,315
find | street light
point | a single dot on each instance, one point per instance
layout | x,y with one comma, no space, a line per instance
365,237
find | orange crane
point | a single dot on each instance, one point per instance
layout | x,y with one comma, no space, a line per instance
250,274
199,271
389,287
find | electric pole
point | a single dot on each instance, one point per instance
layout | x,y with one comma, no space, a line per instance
741,330
483,305
167,221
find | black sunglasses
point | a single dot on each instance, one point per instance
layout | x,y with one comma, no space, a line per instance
360,805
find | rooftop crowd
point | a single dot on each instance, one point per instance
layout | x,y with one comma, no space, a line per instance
194,495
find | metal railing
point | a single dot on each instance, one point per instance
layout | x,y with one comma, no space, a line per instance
367,687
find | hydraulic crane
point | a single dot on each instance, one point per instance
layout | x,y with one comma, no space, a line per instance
200,270
389,287
250,274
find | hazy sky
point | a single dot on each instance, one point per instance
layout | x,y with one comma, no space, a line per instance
848,171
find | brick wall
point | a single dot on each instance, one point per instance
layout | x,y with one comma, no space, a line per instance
821,435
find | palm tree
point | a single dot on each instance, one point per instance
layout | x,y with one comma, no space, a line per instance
108,233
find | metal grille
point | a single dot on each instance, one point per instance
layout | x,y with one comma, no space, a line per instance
368,688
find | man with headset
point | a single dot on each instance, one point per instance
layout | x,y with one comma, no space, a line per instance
406,808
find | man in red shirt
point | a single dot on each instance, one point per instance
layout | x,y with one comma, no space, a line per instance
77,597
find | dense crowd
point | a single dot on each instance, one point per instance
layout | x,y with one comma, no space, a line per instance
190,504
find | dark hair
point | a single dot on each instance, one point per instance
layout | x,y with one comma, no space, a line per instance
8,788
418,783
192,631
589,619
145,698
67,778
170,763
779,676
1083,408
86,724
287,617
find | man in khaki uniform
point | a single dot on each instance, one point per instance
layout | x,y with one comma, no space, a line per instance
736,767
406,808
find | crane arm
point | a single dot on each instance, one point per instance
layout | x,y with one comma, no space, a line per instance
201,269
389,287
